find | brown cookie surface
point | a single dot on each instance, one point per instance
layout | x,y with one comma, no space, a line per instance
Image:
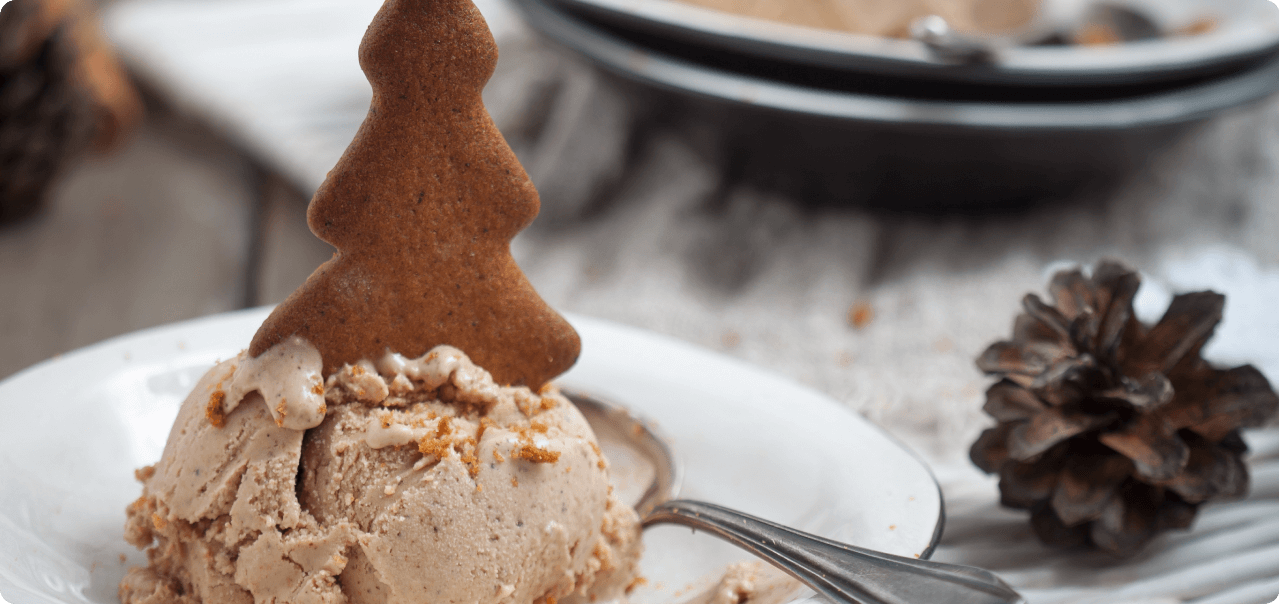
422,207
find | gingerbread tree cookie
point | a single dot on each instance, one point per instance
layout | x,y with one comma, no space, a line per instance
422,207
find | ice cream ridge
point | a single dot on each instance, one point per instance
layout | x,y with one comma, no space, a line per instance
390,435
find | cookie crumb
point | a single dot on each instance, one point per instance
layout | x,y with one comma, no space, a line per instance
861,314
213,410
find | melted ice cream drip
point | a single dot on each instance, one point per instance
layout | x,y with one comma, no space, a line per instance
288,377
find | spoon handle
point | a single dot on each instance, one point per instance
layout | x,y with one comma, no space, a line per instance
950,46
842,573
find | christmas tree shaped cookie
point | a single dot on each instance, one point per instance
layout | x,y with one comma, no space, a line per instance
422,207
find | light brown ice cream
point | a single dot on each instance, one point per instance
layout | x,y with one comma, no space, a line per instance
752,582
425,482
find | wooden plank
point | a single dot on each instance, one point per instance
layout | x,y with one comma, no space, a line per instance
154,234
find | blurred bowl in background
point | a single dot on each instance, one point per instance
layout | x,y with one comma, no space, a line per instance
895,139
1195,38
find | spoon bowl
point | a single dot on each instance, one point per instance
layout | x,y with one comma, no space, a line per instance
641,463
843,573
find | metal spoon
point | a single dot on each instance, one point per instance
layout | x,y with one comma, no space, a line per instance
842,573
950,46
1054,19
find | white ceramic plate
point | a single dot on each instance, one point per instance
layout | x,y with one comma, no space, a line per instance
74,428
842,109
1244,28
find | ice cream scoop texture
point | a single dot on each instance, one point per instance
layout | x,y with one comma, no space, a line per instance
425,482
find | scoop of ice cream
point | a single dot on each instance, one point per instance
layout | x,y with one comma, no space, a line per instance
425,482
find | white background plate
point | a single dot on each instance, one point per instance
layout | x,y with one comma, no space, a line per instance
1242,28
75,428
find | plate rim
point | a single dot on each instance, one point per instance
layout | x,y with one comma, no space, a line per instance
1155,60
636,63
671,341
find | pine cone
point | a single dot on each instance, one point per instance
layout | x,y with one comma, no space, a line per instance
60,89
1110,430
